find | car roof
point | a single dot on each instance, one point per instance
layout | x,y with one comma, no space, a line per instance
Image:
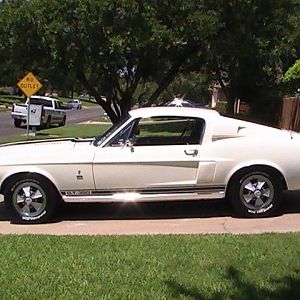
42,97
147,112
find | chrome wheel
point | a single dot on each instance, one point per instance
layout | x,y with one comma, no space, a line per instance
29,199
257,191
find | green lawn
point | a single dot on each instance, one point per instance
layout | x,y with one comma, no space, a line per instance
150,267
6,101
76,130
3,108
85,101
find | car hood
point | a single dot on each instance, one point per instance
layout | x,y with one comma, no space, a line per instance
44,151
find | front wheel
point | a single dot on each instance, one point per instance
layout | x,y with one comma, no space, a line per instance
30,199
63,122
255,193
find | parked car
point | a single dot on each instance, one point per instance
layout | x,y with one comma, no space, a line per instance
52,112
154,154
74,104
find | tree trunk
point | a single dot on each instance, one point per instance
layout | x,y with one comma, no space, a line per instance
171,74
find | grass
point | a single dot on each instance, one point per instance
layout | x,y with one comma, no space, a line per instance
150,267
76,130
6,101
10,99
85,101
3,108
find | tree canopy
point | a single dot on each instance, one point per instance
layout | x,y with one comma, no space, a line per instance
128,51
109,46
253,49
292,76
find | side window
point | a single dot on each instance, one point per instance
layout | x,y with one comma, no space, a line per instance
167,131
56,105
123,135
40,101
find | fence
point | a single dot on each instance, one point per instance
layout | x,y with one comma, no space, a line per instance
290,116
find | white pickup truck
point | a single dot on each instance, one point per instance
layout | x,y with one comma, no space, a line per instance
52,112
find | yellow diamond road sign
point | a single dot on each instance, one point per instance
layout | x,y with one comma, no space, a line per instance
29,84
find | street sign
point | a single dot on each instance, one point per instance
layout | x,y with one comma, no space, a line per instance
29,84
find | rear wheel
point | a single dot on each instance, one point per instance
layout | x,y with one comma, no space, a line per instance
30,198
255,193
17,123
48,123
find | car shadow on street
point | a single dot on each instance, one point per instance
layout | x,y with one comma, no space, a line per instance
156,210
153,210
165,210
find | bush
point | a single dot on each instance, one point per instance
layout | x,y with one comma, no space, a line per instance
221,107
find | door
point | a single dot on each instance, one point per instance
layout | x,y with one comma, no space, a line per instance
152,153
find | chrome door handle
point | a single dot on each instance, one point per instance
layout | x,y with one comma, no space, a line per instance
191,152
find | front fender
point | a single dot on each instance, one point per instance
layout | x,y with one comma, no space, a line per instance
8,172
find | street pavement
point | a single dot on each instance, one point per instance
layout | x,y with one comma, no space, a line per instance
190,217
7,127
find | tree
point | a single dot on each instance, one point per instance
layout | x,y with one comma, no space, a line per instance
292,76
111,46
250,53
130,51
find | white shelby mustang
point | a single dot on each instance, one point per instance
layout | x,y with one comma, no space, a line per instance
154,154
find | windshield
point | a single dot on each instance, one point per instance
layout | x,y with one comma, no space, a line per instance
101,138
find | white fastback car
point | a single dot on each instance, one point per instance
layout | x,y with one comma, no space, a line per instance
154,154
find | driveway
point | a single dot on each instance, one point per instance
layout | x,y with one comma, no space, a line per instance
189,217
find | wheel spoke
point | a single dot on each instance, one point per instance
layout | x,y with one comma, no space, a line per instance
250,187
248,197
259,202
260,184
26,191
26,209
36,195
266,193
36,205
20,199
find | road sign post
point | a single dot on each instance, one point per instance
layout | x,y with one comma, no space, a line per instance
28,115
29,85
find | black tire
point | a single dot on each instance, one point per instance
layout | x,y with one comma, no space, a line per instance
63,123
18,123
255,193
31,199
48,123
